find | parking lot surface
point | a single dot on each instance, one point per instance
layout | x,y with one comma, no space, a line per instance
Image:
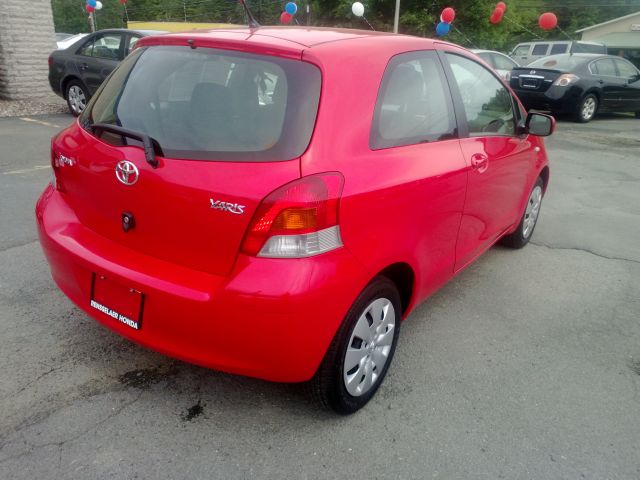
525,366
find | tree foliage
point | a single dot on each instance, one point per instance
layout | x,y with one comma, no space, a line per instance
471,27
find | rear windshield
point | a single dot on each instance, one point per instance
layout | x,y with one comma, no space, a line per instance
588,48
564,63
208,104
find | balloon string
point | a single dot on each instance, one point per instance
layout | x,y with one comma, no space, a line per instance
126,14
522,26
464,36
565,34
370,26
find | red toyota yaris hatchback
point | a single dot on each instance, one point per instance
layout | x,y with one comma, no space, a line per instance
273,202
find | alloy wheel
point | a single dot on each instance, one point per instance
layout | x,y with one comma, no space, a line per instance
532,211
369,347
77,99
589,108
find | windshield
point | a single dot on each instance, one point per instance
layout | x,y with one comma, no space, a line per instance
564,63
208,104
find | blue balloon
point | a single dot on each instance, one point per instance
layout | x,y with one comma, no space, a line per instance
91,3
442,29
291,8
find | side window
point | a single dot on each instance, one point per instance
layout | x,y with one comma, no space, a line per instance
540,49
503,63
558,48
604,67
86,49
130,44
487,103
521,50
414,103
108,46
625,69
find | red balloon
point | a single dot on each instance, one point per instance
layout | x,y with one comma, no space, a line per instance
502,6
285,17
123,2
496,16
89,8
448,14
548,21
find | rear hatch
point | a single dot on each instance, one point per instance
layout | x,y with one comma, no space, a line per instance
227,128
533,79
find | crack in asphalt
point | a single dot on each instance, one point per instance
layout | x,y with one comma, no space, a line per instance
18,245
35,380
586,250
31,447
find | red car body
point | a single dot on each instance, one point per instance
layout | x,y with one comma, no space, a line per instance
417,213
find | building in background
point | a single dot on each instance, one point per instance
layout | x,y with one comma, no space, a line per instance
26,40
620,35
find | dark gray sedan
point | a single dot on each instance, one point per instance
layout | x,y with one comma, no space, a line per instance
579,84
76,72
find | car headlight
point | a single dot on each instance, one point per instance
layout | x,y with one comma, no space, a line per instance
565,80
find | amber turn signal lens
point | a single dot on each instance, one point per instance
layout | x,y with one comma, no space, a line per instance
296,219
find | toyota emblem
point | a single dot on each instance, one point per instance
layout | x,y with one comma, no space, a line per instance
127,172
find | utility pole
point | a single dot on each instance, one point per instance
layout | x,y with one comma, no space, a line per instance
396,17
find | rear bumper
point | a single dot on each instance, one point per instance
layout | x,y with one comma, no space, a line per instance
555,99
271,319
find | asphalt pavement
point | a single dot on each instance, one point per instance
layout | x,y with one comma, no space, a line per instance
525,366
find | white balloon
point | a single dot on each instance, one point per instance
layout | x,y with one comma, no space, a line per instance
358,9
98,5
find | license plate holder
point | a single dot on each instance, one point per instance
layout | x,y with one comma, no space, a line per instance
121,303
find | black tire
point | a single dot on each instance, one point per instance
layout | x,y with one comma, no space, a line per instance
584,114
328,385
77,96
524,232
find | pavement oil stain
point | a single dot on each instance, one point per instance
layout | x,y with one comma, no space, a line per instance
192,412
634,365
143,379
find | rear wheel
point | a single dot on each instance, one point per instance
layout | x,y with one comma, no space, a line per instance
77,97
523,233
360,354
587,108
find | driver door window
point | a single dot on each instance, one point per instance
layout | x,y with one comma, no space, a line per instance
487,103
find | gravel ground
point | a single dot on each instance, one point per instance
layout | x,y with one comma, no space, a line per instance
34,106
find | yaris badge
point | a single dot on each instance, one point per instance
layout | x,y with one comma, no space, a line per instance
127,172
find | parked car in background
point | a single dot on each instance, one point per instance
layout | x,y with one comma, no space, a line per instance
527,52
76,72
70,40
579,84
502,63
286,236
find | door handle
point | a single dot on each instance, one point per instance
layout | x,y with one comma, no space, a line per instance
83,66
479,162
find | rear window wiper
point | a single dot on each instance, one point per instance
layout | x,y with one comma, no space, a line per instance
150,145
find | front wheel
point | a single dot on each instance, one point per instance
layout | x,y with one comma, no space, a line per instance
587,108
523,233
77,97
360,354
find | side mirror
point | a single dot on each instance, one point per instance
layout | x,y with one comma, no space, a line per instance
634,78
540,124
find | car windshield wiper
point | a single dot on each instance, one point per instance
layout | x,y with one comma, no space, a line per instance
150,145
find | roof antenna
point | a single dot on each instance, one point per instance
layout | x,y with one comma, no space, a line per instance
253,23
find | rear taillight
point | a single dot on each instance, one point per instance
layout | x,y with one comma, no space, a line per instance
565,80
297,220
50,60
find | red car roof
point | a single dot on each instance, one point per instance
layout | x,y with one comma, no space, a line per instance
288,41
